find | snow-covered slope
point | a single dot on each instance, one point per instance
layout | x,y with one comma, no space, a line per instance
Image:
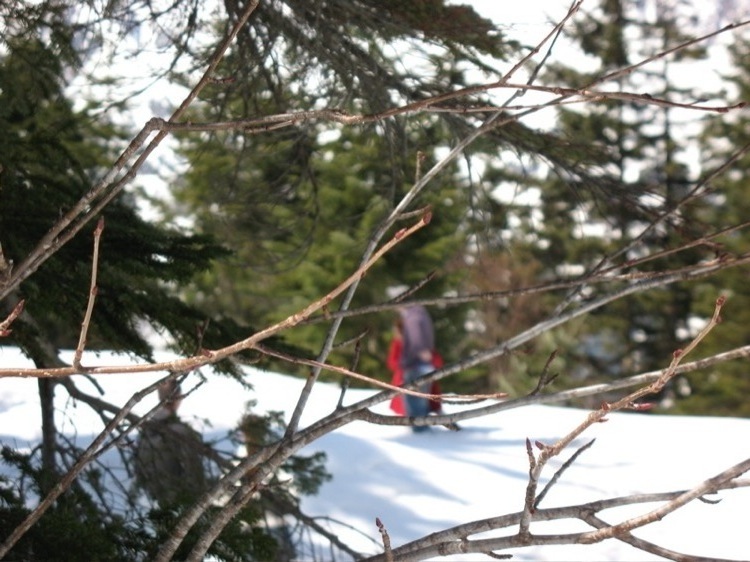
419,484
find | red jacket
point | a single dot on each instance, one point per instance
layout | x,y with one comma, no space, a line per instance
394,365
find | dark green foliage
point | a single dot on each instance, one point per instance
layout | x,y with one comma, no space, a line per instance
298,209
309,470
49,155
723,390
298,230
238,542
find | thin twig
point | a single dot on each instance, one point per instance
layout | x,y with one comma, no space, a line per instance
453,541
386,540
5,330
550,451
92,296
567,464
458,398
258,125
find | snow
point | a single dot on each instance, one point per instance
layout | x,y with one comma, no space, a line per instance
420,484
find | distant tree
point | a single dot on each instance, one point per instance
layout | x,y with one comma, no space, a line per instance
603,214
287,203
723,391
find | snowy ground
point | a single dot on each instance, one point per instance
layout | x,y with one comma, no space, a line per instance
419,484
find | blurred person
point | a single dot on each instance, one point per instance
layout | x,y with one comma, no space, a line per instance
397,379
417,357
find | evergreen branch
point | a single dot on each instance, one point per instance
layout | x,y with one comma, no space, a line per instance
100,195
587,93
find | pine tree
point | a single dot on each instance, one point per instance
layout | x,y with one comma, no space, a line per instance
297,209
627,173
722,390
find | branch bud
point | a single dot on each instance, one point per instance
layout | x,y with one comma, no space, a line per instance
641,406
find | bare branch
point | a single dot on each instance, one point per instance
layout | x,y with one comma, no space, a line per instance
92,296
454,540
91,452
559,473
707,487
208,357
378,383
386,539
15,313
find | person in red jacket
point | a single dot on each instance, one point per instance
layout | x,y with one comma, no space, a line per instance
394,365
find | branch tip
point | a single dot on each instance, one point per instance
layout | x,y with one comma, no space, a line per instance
641,406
